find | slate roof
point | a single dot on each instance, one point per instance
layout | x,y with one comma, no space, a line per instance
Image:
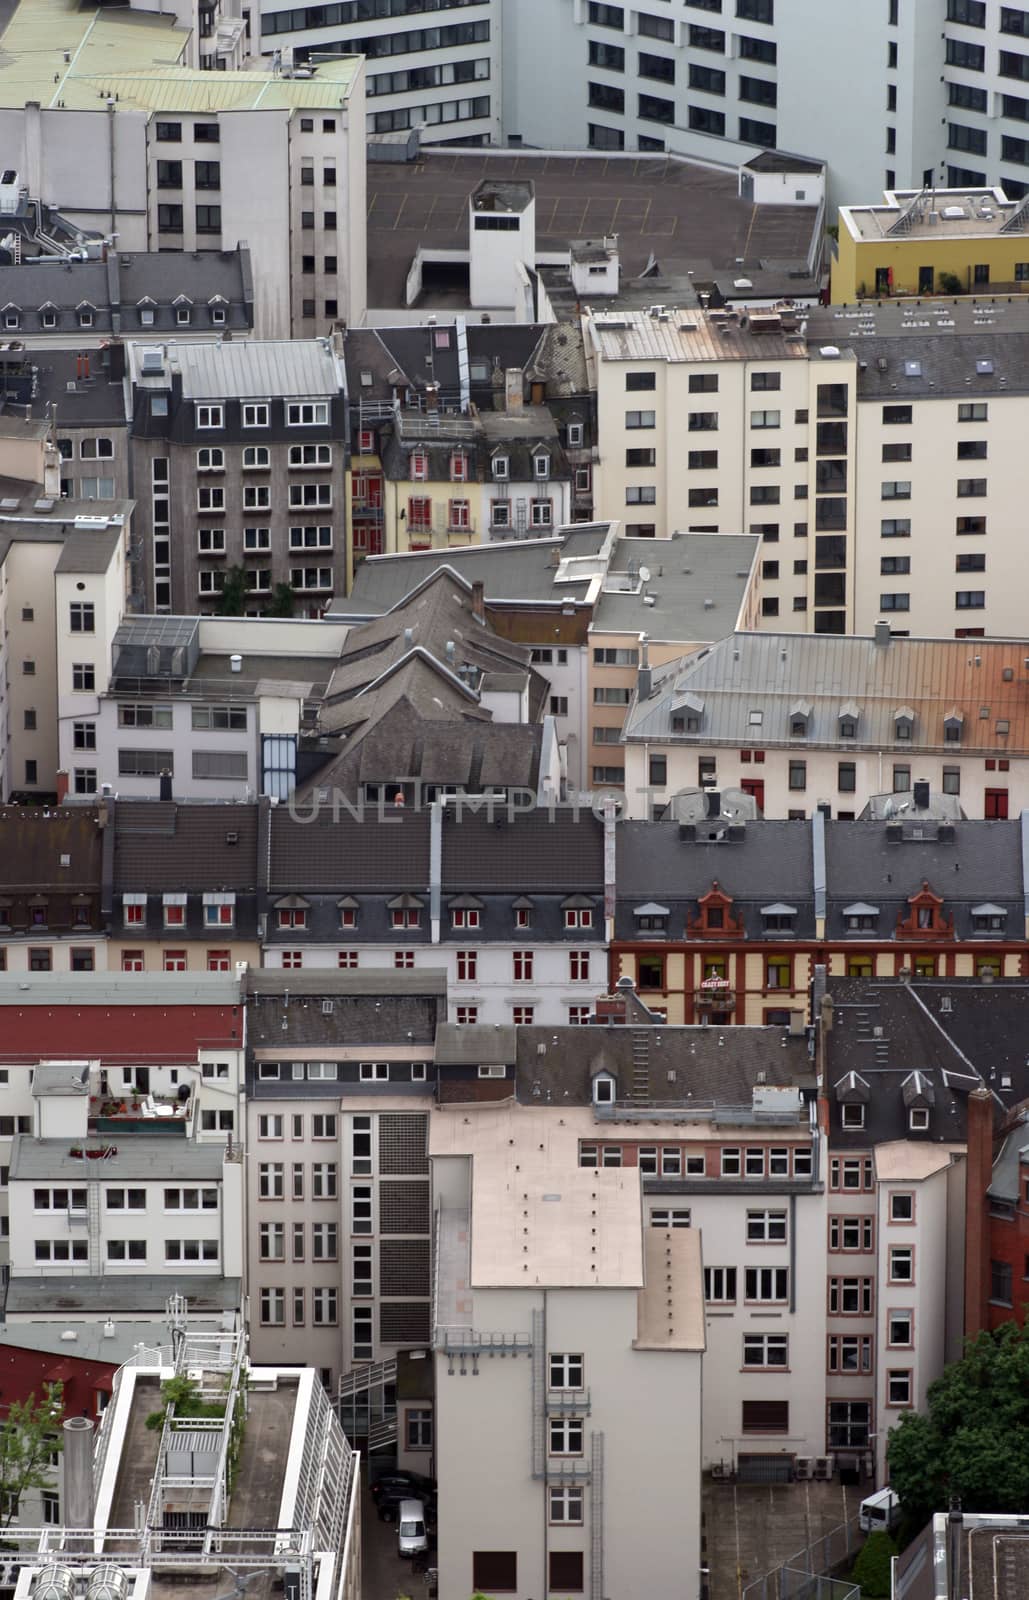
769,673
957,1033
114,289
771,863
285,1012
477,1045
33,841
134,1291
712,1065
537,852
945,338
343,856
161,845
397,356
973,864
89,550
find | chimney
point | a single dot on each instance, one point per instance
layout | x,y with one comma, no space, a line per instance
479,600
920,792
978,1173
513,397
77,1471
62,786
644,679
165,783
235,663
51,470
882,633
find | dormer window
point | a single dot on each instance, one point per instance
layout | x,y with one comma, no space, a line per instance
12,317
174,910
575,435
133,910
522,913
347,908
541,465
852,1116
860,917
988,918
687,714
800,719
292,917
604,1089
37,913
219,910
651,918
848,720
405,911
578,913
48,316
459,467
85,314
501,467
714,914
779,918
682,723
953,723
465,913
904,724
918,1119
419,465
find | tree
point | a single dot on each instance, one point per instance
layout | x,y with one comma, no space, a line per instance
232,597
30,1435
872,1567
282,602
972,1443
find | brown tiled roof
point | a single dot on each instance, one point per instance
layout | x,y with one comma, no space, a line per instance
162,845
33,841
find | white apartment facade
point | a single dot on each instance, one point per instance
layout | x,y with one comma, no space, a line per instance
186,159
431,68
600,1322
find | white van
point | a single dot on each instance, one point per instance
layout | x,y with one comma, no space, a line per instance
412,1536
880,1512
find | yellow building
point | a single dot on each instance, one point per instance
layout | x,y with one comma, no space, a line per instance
942,241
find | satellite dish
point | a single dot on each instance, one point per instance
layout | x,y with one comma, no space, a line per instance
644,574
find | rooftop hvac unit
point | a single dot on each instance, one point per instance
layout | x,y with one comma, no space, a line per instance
804,1467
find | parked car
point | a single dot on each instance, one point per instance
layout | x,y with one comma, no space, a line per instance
394,1487
412,1533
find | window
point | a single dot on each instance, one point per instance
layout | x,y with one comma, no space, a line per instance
565,1436
850,1297
765,1416
273,1308
308,413
848,1352
522,961
565,1505
851,1233
765,1350
767,1283
898,1387
566,1372
766,1227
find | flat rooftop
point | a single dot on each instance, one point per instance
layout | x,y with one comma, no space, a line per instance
670,1313
680,213
943,214
694,593
143,1157
58,52
683,334
140,1295
538,1219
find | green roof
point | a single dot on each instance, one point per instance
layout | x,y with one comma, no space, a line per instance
137,56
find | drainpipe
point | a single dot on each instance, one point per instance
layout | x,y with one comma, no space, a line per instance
111,162
435,867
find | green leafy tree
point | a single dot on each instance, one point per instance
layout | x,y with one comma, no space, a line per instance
972,1443
232,599
30,1435
282,603
872,1567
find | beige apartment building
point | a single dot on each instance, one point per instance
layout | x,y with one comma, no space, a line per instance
600,1321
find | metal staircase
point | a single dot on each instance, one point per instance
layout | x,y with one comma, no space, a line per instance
96,1265
366,1403
597,1517
539,1396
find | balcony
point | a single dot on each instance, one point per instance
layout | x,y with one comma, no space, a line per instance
140,1113
568,1402
714,994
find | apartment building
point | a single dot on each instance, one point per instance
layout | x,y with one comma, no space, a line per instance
183,145
208,708
434,70
52,551
339,1084
50,877
509,905
81,1067
944,711
726,920
920,242
599,1320
234,446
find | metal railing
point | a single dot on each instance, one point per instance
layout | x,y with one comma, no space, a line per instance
804,1576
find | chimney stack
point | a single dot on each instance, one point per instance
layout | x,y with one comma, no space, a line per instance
882,633
921,792
479,600
165,789
644,679
62,786
513,395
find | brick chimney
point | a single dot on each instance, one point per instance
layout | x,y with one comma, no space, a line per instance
62,786
978,1173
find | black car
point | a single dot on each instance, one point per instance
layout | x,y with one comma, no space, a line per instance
389,1490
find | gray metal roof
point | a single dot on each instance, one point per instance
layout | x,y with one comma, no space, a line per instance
89,550
138,1157
255,368
120,989
768,673
144,1292
517,569
697,583
423,980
